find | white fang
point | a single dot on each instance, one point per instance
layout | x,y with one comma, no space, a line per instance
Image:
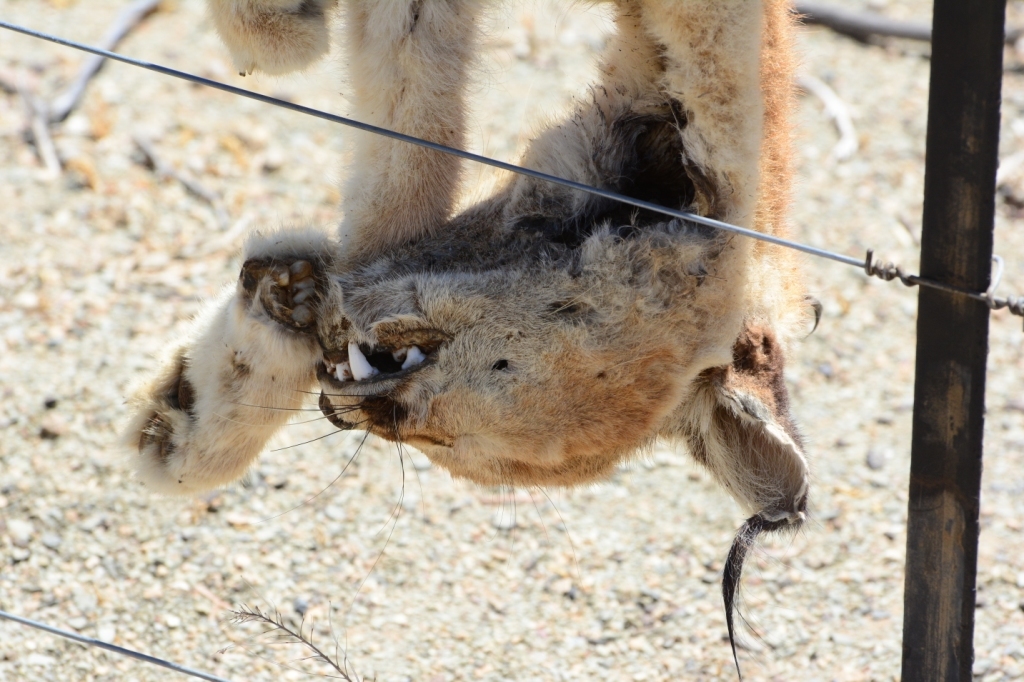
361,367
414,357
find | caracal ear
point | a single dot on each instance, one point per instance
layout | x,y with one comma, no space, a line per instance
741,430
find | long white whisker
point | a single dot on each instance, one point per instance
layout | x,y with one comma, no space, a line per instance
336,478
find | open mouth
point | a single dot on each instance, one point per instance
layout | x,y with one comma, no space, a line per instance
364,365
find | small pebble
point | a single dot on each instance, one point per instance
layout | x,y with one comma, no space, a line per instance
503,519
420,461
876,459
106,632
20,532
273,160
51,540
78,623
53,426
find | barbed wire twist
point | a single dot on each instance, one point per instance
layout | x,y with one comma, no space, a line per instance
888,271
1015,304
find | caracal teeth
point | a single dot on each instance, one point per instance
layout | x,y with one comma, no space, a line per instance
343,372
414,356
361,367
399,355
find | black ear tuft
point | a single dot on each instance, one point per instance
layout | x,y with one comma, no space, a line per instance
746,536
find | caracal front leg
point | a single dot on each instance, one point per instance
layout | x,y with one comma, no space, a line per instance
242,373
409,63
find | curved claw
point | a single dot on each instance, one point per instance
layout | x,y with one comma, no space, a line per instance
818,310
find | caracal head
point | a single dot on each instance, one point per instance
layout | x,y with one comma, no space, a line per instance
527,364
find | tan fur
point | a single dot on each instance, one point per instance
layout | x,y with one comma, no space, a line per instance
562,332
273,36
408,66
225,390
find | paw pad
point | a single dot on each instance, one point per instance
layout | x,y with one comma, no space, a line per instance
286,291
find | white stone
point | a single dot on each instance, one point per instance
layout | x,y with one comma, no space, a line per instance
20,532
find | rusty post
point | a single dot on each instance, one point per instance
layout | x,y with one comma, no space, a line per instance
952,340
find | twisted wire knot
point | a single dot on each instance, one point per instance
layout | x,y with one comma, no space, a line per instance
886,270
1015,304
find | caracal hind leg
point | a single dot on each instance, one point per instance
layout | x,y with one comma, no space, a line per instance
711,56
242,373
683,76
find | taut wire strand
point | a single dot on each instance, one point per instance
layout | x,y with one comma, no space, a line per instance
890,271
885,271
81,639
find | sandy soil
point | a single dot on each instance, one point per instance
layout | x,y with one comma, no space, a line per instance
424,578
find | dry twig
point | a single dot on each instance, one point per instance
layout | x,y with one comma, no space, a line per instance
861,26
837,110
37,124
37,121
67,101
40,114
864,26
915,234
341,665
166,170
12,82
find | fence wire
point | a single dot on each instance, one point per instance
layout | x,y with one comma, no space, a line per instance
885,271
89,641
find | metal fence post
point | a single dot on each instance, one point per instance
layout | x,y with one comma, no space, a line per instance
952,340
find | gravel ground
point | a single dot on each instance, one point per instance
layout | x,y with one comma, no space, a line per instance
424,578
